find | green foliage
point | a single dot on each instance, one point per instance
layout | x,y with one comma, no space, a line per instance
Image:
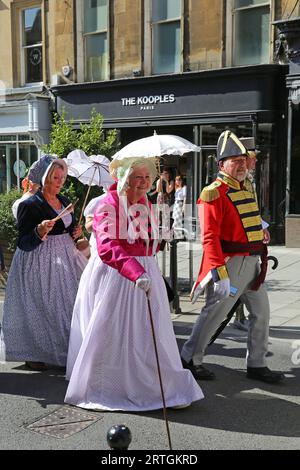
91,138
63,138
8,227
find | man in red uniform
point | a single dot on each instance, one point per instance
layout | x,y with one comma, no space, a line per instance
233,242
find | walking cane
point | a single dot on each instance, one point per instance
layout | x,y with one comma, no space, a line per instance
159,374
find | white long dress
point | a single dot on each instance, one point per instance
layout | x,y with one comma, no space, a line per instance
115,368
80,322
89,212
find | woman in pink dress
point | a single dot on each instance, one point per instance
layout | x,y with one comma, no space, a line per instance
114,367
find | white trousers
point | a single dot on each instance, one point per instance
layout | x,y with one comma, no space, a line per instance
242,272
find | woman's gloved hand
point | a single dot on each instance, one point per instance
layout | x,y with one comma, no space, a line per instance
144,282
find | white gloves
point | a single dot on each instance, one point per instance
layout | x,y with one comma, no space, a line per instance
144,282
222,288
196,294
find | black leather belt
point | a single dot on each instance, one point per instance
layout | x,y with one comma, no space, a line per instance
238,247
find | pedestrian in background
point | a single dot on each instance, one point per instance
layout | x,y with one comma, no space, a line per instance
165,188
165,199
179,207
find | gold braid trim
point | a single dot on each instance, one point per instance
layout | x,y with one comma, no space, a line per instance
222,272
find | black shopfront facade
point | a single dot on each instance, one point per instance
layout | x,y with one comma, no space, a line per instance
198,106
289,52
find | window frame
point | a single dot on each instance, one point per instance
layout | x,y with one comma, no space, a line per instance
23,48
16,141
17,8
149,38
81,37
230,22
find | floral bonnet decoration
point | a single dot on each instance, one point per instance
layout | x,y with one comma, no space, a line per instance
120,170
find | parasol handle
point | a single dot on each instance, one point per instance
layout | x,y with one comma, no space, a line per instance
86,196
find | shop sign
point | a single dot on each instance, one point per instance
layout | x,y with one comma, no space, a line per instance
22,168
148,101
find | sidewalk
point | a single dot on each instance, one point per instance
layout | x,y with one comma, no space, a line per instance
236,413
283,285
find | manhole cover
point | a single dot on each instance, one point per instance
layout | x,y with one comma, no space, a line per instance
63,422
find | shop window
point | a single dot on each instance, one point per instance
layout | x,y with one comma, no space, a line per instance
16,156
28,42
249,27
211,133
32,46
166,36
265,134
295,163
95,36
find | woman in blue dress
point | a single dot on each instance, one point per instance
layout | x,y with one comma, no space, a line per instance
44,276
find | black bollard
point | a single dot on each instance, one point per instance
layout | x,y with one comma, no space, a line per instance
119,437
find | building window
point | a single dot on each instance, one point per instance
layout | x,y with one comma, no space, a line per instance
251,32
96,40
166,36
32,45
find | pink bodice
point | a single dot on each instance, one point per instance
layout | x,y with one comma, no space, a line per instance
122,233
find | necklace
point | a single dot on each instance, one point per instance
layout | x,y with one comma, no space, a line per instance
53,202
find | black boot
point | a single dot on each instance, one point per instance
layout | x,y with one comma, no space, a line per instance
199,372
264,374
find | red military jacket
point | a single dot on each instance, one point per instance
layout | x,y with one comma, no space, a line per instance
227,211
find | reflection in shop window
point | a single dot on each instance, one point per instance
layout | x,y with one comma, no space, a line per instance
262,180
265,134
10,154
95,39
251,32
210,134
166,24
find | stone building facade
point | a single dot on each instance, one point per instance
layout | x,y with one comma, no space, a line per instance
187,67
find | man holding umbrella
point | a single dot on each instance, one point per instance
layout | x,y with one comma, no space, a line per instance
233,240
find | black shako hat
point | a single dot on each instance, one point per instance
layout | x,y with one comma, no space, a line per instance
229,145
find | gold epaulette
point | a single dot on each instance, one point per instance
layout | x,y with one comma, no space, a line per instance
210,193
